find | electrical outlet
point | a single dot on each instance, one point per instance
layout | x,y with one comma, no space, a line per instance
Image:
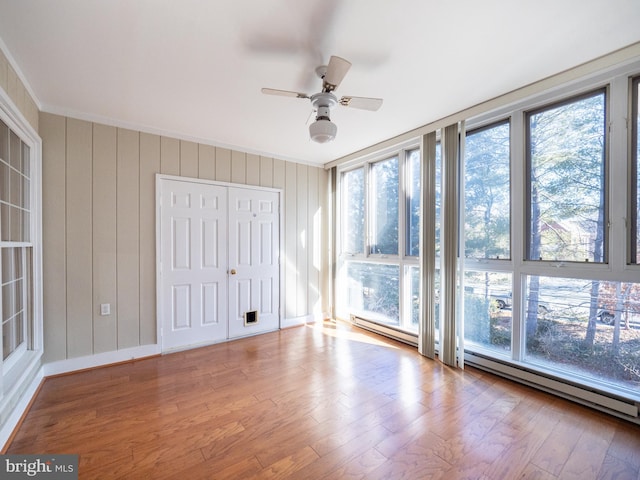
105,309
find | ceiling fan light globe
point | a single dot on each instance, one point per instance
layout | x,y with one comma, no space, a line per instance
323,131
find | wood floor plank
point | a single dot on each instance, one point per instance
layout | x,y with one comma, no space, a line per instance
589,453
328,401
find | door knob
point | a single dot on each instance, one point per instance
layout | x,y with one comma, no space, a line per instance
232,271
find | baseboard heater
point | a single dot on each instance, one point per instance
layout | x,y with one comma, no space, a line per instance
386,330
605,402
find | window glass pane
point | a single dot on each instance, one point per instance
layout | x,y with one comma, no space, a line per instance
17,225
8,300
26,193
586,328
15,151
384,212
413,278
565,187
487,185
6,339
353,212
26,160
5,222
16,188
487,310
5,182
413,203
374,291
25,218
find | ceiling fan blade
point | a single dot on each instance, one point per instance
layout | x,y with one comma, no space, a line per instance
363,103
336,70
284,93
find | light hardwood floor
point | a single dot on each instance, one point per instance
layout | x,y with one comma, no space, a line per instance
324,401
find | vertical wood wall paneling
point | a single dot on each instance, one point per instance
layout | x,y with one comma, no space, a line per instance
303,237
149,166
99,229
169,156
313,242
238,167
79,254
253,169
223,164
188,159
128,238
206,162
279,175
4,72
54,253
266,171
290,283
104,238
13,88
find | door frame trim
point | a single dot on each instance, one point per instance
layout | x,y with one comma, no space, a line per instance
160,177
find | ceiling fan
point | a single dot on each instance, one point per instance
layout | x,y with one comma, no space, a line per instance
323,129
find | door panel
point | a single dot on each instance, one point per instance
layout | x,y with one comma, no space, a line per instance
254,256
219,249
193,264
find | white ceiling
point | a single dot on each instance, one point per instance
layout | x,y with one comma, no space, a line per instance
194,68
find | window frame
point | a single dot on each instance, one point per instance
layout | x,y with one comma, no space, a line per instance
26,358
402,260
507,120
567,100
634,172
617,83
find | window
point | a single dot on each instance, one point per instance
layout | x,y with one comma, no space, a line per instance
413,203
586,328
374,291
378,273
487,222
383,221
487,193
15,242
353,212
566,181
566,311
487,310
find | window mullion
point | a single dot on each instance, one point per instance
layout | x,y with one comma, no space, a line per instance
518,230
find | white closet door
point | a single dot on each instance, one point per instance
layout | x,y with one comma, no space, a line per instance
254,239
193,268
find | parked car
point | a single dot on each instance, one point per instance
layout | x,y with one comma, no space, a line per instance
606,317
504,301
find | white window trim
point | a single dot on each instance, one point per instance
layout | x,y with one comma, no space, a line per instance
26,361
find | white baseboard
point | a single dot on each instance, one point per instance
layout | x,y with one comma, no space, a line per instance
99,359
303,320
